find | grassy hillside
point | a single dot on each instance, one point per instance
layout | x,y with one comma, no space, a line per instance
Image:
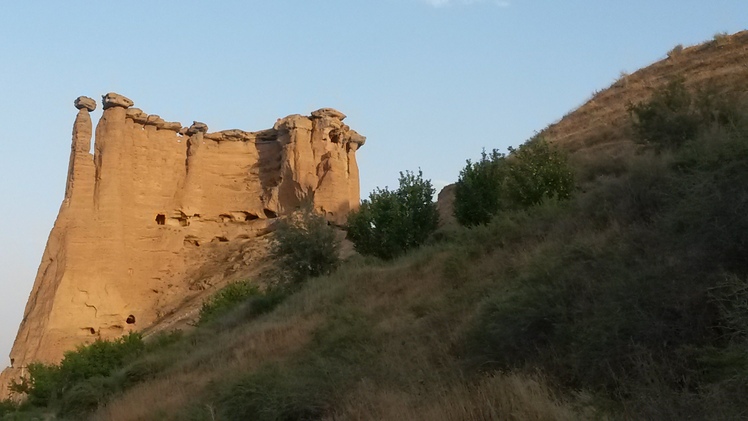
628,301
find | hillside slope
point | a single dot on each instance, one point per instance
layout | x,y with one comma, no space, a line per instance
625,302
603,121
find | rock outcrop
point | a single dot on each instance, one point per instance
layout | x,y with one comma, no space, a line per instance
155,201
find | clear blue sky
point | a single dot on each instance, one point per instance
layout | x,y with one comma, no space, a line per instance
429,82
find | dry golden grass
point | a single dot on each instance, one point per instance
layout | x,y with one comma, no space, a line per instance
233,352
720,63
497,397
418,306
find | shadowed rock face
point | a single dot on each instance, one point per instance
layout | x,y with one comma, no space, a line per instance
154,202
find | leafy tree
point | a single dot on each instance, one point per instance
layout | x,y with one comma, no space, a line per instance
392,222
478,189
528,175
305,245
536,172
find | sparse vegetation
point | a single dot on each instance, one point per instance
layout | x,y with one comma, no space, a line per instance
226,299
675,52
675,115
668,118
721,38
391,222
305,245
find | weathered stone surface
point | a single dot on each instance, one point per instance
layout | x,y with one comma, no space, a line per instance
137,115
171,125
116,100
85,102
150,210
445,203
328,112
155,120
197,127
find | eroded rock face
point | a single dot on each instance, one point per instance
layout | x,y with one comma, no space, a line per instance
116,100
85,102
154,202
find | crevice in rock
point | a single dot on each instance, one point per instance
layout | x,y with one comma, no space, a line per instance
191,240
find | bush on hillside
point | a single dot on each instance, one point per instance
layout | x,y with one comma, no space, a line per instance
7,407
638,289
536,172
225,299
674,115
668,118
305,245
391,222
528,175
47,382
478,189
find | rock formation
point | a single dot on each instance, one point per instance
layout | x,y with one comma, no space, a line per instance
153,201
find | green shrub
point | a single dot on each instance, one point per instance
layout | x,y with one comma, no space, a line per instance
100,358
86,396
163,339
530,174
637,289
305,245
536,172
673,115
391,222
668,118
478,189
47,384
42,384
226,299
7,406
255,305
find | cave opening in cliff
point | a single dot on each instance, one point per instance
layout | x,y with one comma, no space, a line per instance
92,330
130,320
270,214
250,216
161,219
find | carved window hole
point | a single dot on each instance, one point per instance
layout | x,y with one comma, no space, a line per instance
161,219
130,320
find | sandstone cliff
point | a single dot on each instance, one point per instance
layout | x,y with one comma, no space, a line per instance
155,203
